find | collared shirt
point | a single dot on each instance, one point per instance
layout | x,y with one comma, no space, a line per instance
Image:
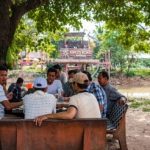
2,98
100,95
39,103
112,96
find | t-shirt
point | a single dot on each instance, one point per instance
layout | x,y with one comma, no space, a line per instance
54,87
39,103
86,104
2,98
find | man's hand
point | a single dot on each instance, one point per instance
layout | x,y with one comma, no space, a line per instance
122,101
38,121
10,95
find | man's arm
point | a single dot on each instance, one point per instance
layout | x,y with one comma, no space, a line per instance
9,105
69,114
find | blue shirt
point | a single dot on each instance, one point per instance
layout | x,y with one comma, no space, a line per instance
100,95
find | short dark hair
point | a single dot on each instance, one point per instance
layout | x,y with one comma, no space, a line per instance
19,80
88,75
3,68
57,66
104,74
51,70
72,71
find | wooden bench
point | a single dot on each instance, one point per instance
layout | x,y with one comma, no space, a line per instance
77,134
116,124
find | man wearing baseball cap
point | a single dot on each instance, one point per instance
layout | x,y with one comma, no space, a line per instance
81,105
39,102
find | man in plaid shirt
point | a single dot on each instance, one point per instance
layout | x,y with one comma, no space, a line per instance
99,93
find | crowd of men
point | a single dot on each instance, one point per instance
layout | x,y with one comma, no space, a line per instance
86,98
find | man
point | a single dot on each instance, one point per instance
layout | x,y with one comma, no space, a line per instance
60,74
15,88
99,93
4,99
39,102
68,87
54,85
81,105
112,94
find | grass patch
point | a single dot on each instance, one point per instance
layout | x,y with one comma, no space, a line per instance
145,109
140,104
136,104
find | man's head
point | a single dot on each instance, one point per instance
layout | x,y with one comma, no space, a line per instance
19,82
80,81
71,73
88,75
58,69
40,83
51,75
3,75
103,78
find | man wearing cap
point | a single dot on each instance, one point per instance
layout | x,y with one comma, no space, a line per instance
81,105
39,102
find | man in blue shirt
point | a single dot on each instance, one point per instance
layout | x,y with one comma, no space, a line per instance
99,93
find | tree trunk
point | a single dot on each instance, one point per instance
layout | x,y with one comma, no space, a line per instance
10,16
4,31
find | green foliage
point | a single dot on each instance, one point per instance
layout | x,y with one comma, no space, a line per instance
144,72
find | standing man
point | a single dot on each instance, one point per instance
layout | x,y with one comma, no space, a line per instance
4,99
81,105
60,74
39,102
112,94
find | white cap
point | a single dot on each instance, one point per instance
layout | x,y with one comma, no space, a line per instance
40,83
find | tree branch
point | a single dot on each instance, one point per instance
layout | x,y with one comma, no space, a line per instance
19,10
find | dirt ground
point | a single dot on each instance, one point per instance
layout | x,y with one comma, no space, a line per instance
137,121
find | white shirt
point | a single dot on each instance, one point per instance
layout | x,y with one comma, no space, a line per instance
39,103
53,88
86,104
2,98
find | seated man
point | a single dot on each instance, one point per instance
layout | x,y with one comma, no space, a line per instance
68,87
112,94
39,102
54,85
81,105
4,99
99,93
15,88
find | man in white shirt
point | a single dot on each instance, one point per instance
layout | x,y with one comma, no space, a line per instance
54,85
62,76
39,102
81,105
4,99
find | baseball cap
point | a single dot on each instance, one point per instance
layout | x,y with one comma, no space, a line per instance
40,83
80,78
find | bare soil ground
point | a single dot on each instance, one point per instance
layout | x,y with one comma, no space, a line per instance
137,121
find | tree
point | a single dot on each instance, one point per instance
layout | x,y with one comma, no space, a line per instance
54,14
49,14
